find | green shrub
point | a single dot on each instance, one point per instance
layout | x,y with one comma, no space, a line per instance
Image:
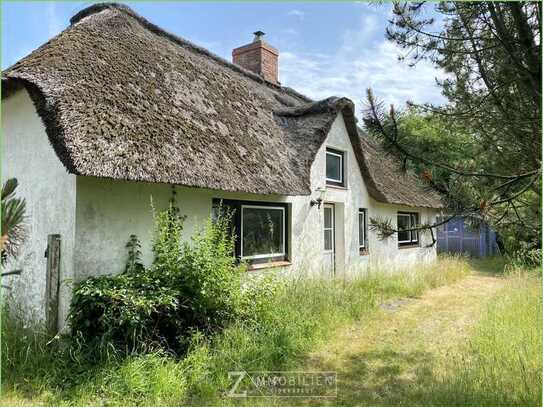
190,286
526,255
210,277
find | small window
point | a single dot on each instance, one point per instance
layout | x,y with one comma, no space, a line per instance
335,167
406,221
362,230
262,232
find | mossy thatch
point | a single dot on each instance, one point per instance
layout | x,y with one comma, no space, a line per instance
123,99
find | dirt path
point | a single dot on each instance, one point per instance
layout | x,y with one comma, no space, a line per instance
394,357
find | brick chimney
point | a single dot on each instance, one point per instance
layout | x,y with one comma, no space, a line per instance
259,57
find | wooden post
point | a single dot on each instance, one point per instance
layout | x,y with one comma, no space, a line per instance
53,282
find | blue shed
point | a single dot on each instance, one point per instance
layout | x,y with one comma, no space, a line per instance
457,236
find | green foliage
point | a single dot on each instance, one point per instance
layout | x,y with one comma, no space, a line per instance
189,286
26,349
437,139
481,149
522,254
142,380
13,211
133,263
167,240
211,277
432,136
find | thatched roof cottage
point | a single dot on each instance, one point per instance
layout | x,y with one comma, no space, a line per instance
114,111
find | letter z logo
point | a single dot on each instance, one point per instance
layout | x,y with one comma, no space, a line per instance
240,376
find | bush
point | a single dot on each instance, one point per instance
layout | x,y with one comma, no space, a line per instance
190,286
526,255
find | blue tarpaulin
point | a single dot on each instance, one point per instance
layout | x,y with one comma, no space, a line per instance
457,236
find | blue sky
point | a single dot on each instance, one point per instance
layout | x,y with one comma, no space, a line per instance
325,48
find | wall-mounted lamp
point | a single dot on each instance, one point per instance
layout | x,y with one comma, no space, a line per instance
320,198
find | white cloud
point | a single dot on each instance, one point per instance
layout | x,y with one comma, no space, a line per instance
296,13
361,62
290,31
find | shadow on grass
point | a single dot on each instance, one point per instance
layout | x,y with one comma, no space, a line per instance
488,265
387,378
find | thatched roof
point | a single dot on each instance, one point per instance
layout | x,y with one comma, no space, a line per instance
123,99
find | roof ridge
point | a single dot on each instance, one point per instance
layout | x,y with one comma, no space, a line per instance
331,104
99,7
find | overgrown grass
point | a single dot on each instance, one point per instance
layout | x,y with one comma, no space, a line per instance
303,314
501,364
287,324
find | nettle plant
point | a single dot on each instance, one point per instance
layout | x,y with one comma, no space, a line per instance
190,286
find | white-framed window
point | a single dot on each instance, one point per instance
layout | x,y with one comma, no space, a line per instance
362,229
406,221
328,228
335,167
262,232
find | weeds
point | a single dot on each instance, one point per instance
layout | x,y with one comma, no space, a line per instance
501,364
287,320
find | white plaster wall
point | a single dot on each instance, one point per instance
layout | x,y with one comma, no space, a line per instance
50,197
109,211
385,253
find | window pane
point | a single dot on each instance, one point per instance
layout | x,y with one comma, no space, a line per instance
327,217
333,167
328,236
403,223
414,223
403,236
361,228
262,231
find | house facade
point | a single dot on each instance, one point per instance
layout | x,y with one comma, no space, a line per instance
114,113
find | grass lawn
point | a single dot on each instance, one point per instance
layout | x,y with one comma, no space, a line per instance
451,334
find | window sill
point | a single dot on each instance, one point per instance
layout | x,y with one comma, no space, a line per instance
272,264
408,246
340,187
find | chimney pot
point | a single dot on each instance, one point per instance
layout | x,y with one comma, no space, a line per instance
258,57
258,35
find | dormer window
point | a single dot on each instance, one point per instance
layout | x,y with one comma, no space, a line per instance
335,167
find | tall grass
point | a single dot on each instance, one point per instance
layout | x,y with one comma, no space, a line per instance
501,364
30,362
287,323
